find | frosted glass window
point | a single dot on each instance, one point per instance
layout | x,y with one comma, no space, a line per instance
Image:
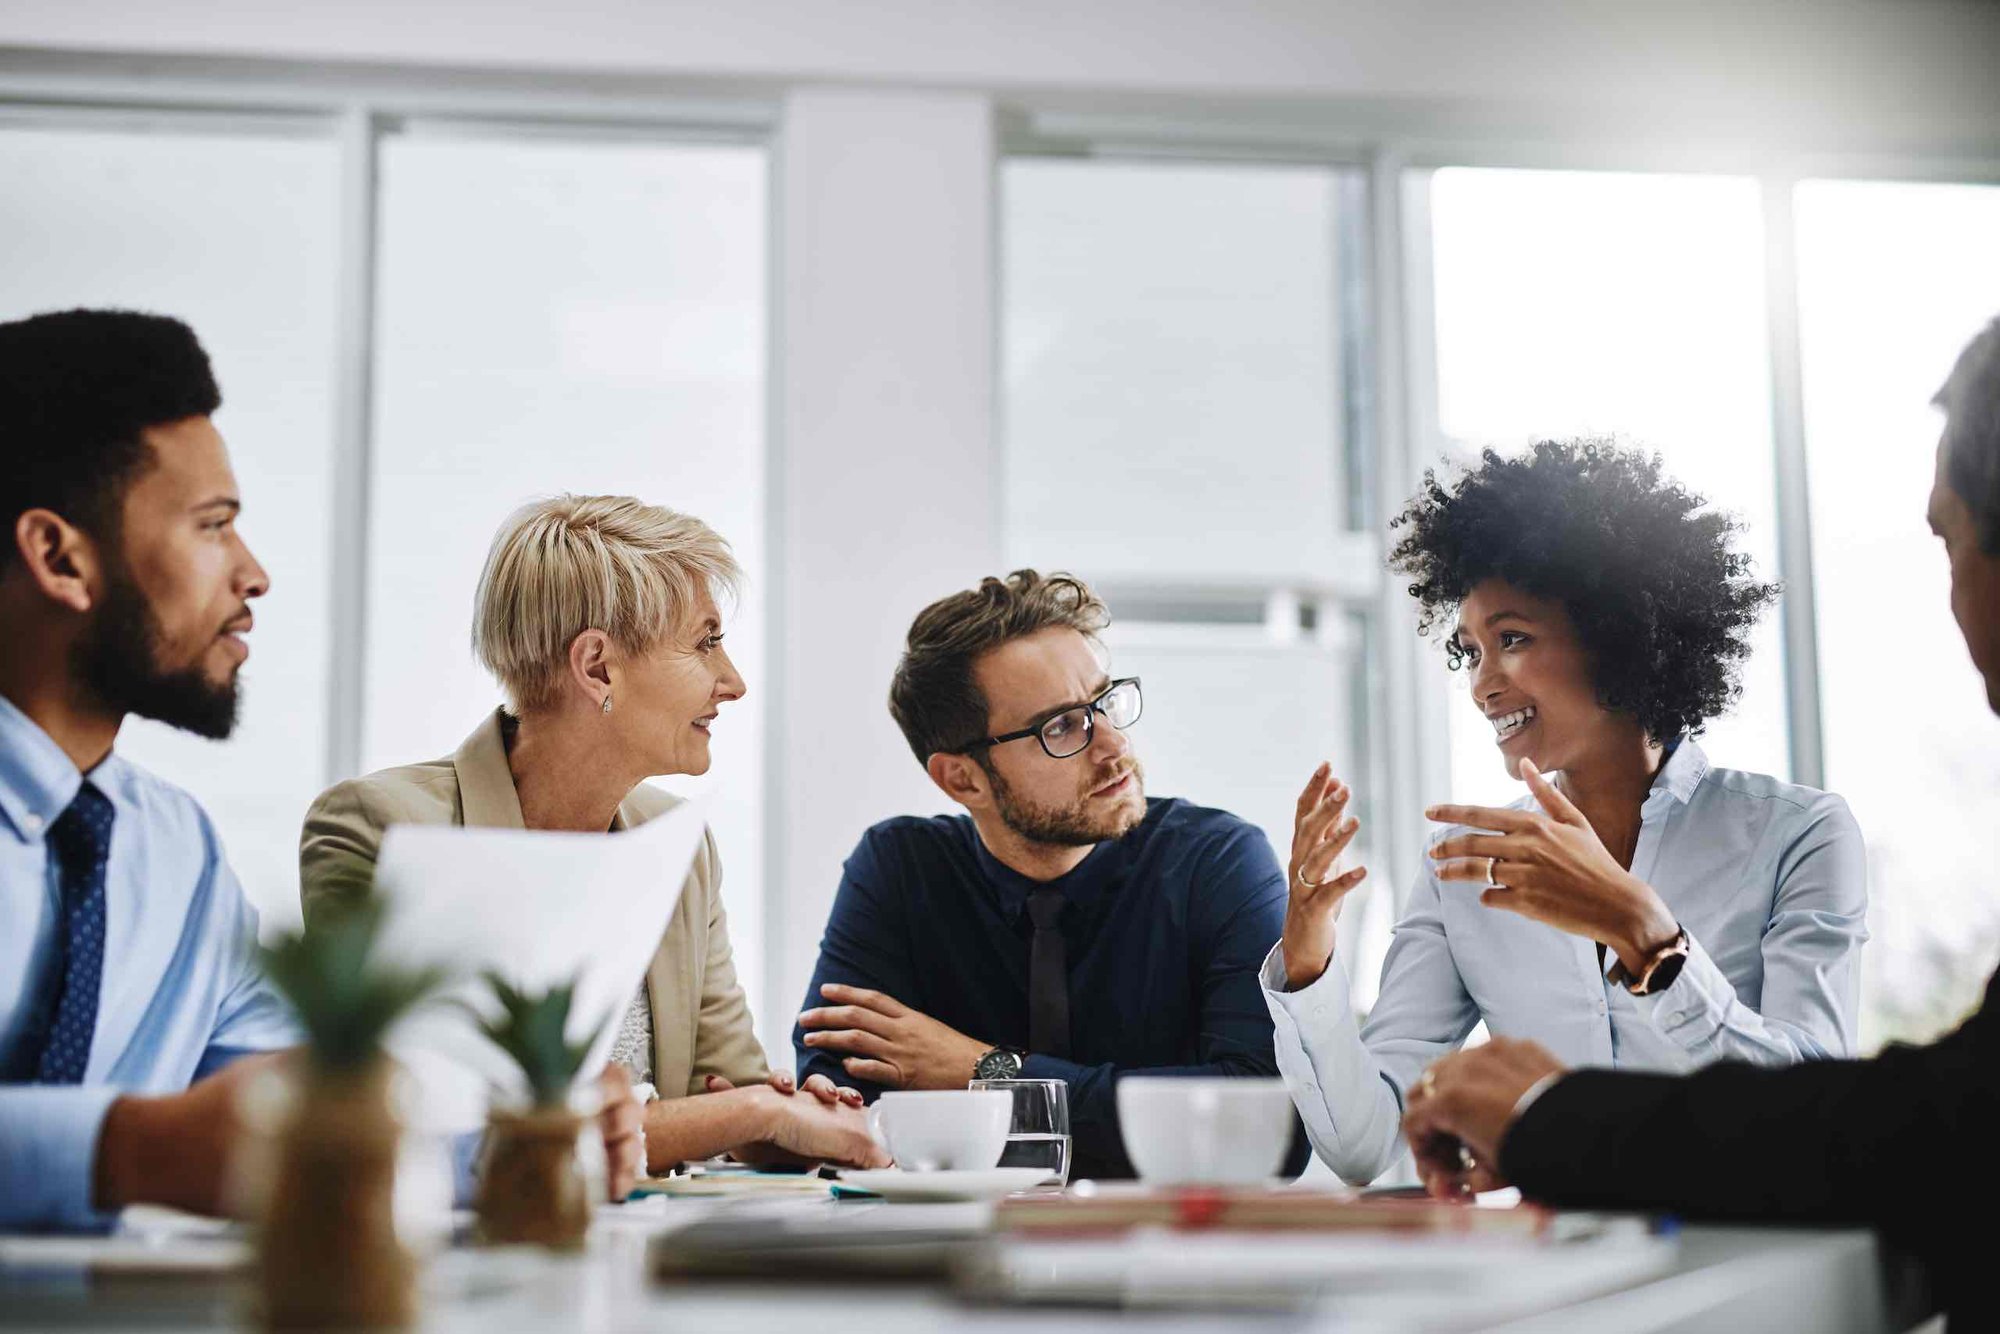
1171,392
1237,717
236,234
1894,279
1572,303
558,316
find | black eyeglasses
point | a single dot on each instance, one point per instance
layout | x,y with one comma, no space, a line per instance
1070,732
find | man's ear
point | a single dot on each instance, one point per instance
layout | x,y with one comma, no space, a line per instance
960,778
59,557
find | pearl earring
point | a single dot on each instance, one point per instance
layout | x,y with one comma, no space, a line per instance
607,705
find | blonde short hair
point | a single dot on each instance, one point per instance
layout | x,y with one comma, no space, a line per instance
568,564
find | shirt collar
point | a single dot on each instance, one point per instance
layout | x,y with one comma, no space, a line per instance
1686,765
485,782
37,780
1083,885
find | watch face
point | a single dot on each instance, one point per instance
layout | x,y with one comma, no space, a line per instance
997,1064
1665,972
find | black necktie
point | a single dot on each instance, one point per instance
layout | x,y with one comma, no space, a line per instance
1048,977
81,840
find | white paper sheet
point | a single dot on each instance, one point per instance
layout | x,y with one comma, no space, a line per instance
538,908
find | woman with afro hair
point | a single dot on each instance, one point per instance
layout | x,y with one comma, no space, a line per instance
1638,907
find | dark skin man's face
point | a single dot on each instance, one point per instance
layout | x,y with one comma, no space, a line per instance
166,638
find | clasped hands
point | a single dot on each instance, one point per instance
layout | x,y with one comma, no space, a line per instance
1459,1111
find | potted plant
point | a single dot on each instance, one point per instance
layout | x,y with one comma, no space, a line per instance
532,1187
328,1253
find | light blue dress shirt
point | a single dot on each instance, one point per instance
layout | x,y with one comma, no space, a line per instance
1769,879
180,995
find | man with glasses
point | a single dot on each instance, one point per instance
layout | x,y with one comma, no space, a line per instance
1064,927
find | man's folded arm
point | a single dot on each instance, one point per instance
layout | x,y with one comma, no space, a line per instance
863,947
48,1155
1832,1141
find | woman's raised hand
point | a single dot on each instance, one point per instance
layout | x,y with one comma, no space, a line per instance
1551,866
1321,831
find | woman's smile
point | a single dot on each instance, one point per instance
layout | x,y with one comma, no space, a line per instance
1507,726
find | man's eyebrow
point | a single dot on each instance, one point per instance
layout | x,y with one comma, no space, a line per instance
230,503
1047,714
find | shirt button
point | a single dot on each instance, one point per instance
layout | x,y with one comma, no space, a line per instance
34,823
1319,1012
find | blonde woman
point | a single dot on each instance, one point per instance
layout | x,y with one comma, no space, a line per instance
598,616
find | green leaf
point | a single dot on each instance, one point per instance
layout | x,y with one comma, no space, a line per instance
344,1000
531,1029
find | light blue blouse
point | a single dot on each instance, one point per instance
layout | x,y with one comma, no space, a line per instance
1768,878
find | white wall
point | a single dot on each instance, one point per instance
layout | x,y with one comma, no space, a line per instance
884,463
1835,71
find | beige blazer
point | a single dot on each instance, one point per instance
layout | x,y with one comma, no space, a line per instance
701,1021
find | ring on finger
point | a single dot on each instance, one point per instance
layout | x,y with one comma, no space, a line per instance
1312,884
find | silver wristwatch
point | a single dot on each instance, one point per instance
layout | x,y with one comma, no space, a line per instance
999,1063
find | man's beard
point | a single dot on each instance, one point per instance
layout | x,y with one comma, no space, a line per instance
1070,826
119,662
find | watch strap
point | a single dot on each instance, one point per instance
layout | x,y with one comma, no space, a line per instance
1659,970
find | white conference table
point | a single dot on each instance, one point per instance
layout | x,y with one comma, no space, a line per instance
1703,1279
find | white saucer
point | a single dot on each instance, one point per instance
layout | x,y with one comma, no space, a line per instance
893,1183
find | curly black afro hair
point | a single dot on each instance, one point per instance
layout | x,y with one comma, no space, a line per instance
1661,603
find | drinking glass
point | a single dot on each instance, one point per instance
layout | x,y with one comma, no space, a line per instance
1038,1135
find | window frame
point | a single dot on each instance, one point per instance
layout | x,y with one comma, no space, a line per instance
1388,372
1400,343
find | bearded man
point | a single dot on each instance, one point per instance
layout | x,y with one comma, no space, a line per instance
1066,926
131,1008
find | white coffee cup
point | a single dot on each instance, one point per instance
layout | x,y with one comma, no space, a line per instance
1205,1131
943,1129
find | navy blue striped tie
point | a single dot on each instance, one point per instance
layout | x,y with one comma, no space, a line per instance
81,841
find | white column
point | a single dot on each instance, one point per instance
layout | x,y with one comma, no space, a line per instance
884,467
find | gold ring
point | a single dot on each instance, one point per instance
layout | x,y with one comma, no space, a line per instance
1427,1083
1309,884
1491,862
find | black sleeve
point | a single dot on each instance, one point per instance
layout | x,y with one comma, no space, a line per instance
1897,1142
864,946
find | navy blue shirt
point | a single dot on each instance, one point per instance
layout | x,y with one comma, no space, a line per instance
1164,930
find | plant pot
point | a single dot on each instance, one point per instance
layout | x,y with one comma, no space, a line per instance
532,1188
328,1255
